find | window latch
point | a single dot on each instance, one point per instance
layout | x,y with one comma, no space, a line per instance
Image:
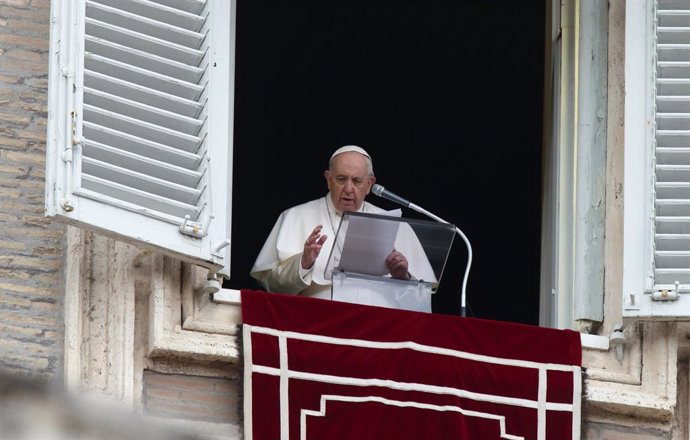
667,294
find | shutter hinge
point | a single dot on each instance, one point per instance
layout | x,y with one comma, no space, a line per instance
67,157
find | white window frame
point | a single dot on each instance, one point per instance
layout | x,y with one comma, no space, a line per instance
120,219
572,281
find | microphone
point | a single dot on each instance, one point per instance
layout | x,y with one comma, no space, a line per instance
383,192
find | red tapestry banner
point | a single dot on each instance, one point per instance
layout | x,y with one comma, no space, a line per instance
320,369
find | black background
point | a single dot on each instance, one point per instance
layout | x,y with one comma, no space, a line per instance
446,96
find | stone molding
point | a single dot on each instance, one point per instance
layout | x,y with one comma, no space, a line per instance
128,309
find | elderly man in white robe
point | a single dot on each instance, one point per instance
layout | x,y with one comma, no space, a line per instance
295,254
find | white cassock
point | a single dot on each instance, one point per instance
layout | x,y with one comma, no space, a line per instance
277,268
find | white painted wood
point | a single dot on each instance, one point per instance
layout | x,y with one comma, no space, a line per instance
564,295
672,170
143,42
161,12
149,61
144,147
159,91
155,27
142,164
590,207
140,122
638,172
657,155
143,112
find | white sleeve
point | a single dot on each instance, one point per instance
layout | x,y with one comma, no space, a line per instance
287,277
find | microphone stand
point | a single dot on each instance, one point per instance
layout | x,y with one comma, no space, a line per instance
463,298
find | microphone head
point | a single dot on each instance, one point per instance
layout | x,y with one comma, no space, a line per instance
377,189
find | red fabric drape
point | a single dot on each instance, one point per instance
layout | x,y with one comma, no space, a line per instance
319,369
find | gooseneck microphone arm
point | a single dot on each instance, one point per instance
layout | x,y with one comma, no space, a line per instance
383,192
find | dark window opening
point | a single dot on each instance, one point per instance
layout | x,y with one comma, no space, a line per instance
445,95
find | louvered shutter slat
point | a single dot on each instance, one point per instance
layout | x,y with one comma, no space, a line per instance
672,225
672,138
674,207
675,264
674,68
141,90
144,25
144,60
143,182
142,129
96,187
673,104
142,112
677,155
673,87
672,152
682,276
149,9
674,242
97,83
191,6
141,164
185,91
673,121
155,83
143,42
666,191
143,147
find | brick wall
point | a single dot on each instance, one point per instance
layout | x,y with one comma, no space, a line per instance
610,431
200,398
31,246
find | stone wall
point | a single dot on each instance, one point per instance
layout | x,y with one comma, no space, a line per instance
31,246
611,431
210,399
95,294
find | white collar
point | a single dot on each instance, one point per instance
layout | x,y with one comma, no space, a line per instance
332,209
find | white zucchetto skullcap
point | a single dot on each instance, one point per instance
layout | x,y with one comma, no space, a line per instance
347,148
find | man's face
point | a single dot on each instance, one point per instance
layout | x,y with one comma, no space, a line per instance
349,181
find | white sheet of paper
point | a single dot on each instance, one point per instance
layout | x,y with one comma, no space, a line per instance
368,243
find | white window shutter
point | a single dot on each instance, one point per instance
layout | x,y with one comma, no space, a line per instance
140,122
672,225
665,292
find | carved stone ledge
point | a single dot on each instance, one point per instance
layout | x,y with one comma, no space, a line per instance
198,338
645,385
124,313
199,312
